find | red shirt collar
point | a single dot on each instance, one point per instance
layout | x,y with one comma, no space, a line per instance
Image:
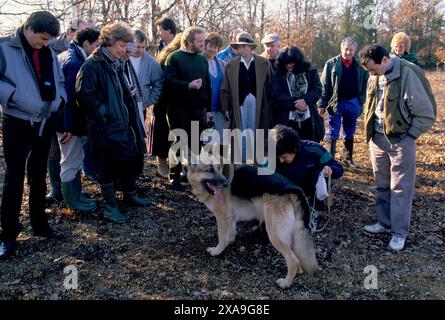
346,63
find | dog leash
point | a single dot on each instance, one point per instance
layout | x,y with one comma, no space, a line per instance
314,212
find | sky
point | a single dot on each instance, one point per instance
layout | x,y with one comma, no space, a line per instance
12,22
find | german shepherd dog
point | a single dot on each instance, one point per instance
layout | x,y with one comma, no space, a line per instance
240,194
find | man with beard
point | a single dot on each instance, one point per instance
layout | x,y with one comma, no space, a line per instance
188,83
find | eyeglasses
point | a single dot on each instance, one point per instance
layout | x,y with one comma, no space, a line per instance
235,46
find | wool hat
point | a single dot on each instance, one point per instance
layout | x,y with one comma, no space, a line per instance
131,47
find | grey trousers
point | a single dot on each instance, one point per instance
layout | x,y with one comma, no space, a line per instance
72,157
394,169
220,123
248,121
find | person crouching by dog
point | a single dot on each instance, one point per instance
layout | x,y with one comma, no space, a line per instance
302,161
115,131
296,89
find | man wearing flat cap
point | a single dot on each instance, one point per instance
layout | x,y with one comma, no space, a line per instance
271,43
62,42
245,88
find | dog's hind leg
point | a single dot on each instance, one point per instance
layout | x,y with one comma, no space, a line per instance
303,244
304,249
225,224
280,235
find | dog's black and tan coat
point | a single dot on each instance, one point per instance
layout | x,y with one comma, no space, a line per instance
240,194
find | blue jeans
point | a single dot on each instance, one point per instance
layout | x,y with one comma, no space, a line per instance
349,111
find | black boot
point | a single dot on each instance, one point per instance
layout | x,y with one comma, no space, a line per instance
111,211
130,194
348,152
175,178
55,194
331,146
83,197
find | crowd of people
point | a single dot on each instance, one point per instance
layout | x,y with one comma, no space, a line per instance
97,102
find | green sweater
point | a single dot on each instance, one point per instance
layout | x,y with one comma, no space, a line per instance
411,57
180,69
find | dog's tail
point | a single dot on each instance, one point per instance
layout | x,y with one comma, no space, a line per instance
303,244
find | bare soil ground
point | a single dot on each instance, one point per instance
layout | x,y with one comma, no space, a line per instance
160,253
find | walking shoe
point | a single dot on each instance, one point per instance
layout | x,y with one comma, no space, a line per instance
113,214
163,167
132,198
376,228
397,243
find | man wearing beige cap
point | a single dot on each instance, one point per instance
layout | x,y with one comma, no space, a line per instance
271,43
245,87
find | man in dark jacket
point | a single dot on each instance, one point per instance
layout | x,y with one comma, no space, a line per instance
71,135
31,89
115,131
344,93
188,82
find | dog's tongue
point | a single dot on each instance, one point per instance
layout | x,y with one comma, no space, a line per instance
218,194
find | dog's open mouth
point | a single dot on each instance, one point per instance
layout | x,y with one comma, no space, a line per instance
215,191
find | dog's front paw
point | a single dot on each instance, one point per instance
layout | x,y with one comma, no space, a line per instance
284,283
214,251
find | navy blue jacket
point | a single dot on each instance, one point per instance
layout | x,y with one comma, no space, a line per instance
74,118
307,165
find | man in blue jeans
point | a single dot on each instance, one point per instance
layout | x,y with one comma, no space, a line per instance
31,89
344,93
